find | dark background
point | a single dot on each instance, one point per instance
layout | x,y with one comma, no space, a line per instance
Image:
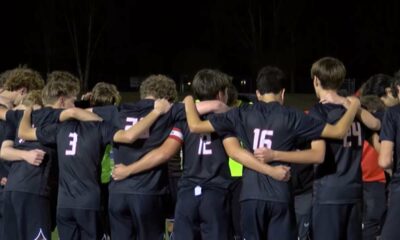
113,40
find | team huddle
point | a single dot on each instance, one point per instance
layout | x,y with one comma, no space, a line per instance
53,158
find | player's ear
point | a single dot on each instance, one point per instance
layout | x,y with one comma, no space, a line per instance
316,81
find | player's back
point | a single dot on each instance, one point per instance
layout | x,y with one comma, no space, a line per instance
23,176
338,178
269,125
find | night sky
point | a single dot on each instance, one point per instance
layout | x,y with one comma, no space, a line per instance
177,38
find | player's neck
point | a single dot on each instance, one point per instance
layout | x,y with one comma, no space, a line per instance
267,98
7,95
323,92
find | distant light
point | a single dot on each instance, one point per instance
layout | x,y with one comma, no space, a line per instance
243,82
189,83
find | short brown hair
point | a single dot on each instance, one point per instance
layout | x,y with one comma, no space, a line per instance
208,82
105,94
23,78
32,98
330,71
55,89
64,76
159,86
372,103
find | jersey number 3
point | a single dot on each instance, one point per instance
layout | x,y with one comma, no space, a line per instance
74,140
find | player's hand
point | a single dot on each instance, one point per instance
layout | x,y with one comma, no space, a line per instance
120,172
162,106
86,96
354,100
3,181
34,157
333,98
281,173
264,154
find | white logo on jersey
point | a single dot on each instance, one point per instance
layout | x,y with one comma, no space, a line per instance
354,131
130,121
40,235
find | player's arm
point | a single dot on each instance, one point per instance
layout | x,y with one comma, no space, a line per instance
151,160
196,125
78,114
369,120
209,106
386,154
3,112
236,152
314,155
25,130
9,153
161,106
339,130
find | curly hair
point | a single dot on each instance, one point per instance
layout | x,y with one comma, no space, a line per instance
55,89
23,78
105,94
33,98
159,86
64,76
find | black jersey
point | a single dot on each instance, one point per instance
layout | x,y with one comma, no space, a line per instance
390,132
155,180
4,165
205,162
268,125
338,178
24,177
80,147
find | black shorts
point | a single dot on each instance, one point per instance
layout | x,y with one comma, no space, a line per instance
205,216
27,216
76,224
337,221
134,216
268,220
391,227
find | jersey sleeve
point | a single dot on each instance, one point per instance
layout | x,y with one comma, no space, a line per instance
225,122
107,132
177,132
389,126
306,127
47,135
12,120
56,115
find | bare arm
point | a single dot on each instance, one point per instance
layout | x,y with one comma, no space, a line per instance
209,106
339,130
369,120
78,114
386,154
25,130
309,156
236,152
152,159
9,153
161,106
196,125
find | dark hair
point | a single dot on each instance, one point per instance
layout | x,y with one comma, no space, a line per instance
105,94
330,72
270,80
372,103
208,82
376,85
232,95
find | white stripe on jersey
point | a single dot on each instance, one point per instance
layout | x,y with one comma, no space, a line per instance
176,133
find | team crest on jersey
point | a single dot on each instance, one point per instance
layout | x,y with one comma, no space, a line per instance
40,235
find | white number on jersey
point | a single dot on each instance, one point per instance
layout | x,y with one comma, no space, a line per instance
130,121
204,146
72,143
354,131
262,138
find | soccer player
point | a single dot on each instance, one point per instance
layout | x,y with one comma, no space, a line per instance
80,146
27,189
389,159
266,203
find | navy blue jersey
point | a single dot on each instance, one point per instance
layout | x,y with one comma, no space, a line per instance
109,114
205,162
80,148
153,181
4,165
24,177
390,132
268,125
338,178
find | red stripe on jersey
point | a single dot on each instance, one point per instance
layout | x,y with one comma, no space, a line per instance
176,134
